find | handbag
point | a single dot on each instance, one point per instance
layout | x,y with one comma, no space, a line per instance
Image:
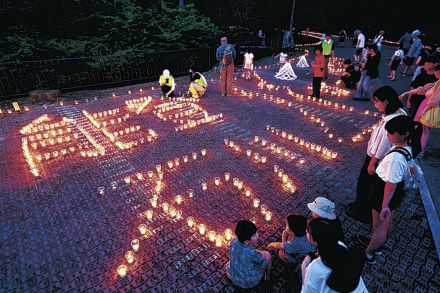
431,117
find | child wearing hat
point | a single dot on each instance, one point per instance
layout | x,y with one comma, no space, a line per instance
294,244
247,266
324,208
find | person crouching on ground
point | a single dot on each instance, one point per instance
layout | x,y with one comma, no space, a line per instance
294,244
318,71
247,266
167,84
198,83
350,76
324,208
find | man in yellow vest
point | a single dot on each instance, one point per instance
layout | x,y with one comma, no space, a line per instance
328,50
198,83
167,84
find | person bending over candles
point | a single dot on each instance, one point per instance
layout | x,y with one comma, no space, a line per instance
167,84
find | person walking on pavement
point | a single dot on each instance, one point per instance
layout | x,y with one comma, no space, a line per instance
226,55
328,50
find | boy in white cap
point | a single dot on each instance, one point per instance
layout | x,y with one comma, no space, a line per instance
167,84
324,208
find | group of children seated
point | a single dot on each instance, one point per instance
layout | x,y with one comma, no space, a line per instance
315,250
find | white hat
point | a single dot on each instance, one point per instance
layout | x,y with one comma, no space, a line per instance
416,33
323,207
166,73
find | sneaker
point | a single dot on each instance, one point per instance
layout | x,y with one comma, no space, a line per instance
370,260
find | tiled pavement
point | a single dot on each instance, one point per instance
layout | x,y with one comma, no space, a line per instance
59,234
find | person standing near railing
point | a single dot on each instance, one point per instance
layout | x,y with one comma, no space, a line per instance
167,84
226,55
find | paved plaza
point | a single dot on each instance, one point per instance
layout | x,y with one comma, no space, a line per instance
70,227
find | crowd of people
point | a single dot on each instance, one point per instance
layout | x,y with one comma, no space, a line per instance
315,251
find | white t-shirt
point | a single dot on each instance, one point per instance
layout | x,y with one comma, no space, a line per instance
379,144
248,58
316,277
399,53
283,57
393,167
378,40
361,40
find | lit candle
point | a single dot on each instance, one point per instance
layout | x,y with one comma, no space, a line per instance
203,152
194,156
150,174
227,176
204,186
191,193
173,212
263,142
218,240
263,209
165,207
135,244
301,161
217,181
248,192
129,256
127,179
211,236
202,229
179,199
122,271
139,176
158,168
170,164
268,216
248,153
256,202
185,159
149,214
101,190
228,234
263,159
239,185
190,222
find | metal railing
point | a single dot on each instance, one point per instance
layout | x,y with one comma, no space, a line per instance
68,74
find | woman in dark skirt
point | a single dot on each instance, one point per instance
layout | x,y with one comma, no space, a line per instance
387,190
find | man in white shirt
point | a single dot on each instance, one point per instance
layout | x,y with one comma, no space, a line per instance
359,45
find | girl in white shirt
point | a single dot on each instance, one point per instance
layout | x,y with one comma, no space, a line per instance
248,64
387,102
387,191
335,268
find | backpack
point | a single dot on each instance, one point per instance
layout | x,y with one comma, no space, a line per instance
412,178
228,57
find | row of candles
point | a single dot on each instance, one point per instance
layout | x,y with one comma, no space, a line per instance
36,126
256,157
302,142
193,123
138,104
106,113
28,157
359,136
98,124
55,154
51,141
280,150
320,122
52,133
27,129
285,179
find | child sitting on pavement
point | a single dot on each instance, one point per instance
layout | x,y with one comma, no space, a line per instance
247,266
294,245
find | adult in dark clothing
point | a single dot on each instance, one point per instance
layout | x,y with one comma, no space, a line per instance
425,52
405,41
350,76
372,73
324,208
426,76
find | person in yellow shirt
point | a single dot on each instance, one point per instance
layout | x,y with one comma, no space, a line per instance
167,83
198,83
